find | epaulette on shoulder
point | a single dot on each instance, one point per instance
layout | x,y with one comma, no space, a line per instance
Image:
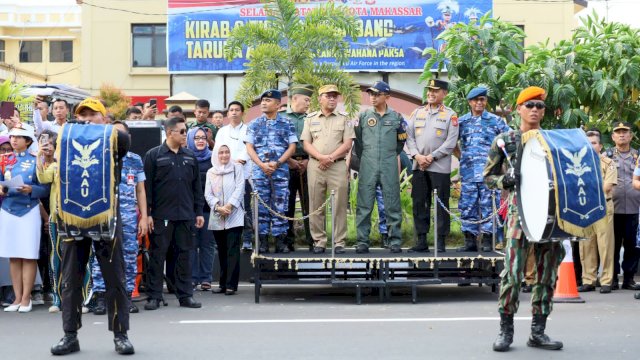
312,114
343,113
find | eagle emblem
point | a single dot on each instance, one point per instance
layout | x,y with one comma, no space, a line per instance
577,168
86,160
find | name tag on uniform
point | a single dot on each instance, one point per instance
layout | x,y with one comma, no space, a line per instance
315,123
420,123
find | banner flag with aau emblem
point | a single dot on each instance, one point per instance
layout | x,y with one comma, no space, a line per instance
577,174
87,174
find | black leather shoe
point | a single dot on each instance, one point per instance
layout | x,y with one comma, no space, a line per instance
505,337
339,250
538,338
123,345
133,309
630,285
362,249
218,290
395,249
615,286
152,304
318,250
189,302
67,345
586,288
604,289
101,305
422,248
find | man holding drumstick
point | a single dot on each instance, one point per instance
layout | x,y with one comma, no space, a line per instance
548,256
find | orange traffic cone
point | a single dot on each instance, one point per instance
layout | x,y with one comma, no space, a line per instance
566,286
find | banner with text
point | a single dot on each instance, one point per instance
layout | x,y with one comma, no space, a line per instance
392,36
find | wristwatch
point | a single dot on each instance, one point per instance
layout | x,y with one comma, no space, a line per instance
279,163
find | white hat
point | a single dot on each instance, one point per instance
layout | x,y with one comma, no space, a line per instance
23,129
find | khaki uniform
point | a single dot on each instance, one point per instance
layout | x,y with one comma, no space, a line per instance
602,243
327,133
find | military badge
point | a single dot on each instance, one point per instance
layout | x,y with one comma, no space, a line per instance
439,132
372,122
454,120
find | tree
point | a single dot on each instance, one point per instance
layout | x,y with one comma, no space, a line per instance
288,47
10,91
116,101
478,53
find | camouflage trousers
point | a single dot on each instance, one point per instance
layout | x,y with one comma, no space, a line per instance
275,193
475,204
382,219
547,258
130,249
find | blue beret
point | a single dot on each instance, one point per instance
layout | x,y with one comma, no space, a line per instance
475,92
272,94
379,87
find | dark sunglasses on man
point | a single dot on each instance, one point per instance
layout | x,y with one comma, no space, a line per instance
537,104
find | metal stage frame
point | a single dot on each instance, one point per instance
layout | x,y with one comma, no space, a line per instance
379,270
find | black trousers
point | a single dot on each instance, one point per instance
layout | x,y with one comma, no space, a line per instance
298,184
229,241
171,242
625,227
43,259
75,255
423,183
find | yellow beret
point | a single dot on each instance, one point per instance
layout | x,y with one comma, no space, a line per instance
532,92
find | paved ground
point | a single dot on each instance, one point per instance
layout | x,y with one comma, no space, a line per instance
449,322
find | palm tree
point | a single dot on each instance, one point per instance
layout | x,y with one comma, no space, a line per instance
288,47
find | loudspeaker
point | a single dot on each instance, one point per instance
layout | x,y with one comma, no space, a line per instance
145,135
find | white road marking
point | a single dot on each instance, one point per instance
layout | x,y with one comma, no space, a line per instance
310,321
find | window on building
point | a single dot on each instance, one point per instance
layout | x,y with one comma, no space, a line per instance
149,45
1,50
31,51
61,51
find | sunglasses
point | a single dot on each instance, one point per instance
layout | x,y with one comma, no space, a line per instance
537,104
181,131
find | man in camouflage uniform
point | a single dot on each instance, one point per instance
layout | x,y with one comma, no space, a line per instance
548,256
432,135
271,140
132,193
600,246
300,101
380,137
478,128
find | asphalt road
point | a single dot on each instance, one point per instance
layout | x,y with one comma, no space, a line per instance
310,322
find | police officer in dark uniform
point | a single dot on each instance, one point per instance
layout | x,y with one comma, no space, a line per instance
175,199
626,201
300,101
75,255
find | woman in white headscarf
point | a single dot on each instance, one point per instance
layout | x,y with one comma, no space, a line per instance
224,192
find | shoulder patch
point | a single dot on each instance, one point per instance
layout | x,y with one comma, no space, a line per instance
454,120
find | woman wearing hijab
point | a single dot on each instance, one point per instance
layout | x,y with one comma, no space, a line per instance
224,192
203,255
20,221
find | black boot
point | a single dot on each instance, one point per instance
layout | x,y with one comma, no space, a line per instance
505,337
264,244
384,239
469,243
123,345
133,309
487,242
67,345
440,245
281,244
101,305
421,244
538,338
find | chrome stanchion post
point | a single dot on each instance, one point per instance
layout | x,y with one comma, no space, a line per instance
332,203
493,218
256,234
435,221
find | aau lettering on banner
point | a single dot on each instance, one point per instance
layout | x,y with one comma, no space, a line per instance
392,34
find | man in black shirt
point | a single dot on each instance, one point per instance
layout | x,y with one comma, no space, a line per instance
175,199
75,255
